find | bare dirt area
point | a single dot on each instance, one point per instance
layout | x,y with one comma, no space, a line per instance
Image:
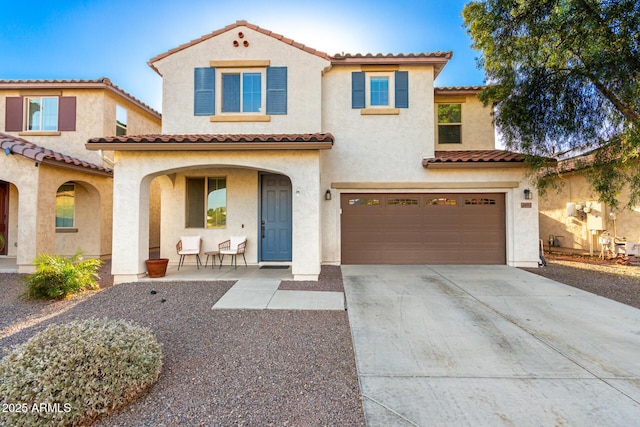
606,277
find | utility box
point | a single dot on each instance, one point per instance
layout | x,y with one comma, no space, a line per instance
596,218
632,248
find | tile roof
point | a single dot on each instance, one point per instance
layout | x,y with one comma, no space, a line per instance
358,58
212,138
156,142
380,57
231,27
458,90
101,83
34,152
473,158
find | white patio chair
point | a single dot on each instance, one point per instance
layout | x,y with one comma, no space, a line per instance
189,245
234,247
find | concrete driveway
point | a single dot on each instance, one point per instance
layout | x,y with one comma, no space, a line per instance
490,346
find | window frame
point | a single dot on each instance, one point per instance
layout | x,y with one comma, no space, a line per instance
452,124
60,193
203,217
27,123
391,88
219,90
121,128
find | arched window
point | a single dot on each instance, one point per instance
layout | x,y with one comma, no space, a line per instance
65,206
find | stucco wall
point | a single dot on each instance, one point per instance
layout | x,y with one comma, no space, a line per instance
572,231
95,116
135,171
242,212
477,130
377,147
304,84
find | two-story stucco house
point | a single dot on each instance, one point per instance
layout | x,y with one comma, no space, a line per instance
319,159
56,197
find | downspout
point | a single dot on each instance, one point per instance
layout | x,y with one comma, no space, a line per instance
106,159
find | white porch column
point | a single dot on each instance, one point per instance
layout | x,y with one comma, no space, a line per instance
131,224
27,225
305,182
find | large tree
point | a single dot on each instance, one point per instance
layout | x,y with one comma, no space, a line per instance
564,77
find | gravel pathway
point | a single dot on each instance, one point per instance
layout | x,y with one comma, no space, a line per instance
221,367
602,277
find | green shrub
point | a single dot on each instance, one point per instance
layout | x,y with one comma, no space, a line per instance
57,276
71,374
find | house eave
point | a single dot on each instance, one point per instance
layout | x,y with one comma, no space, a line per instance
250,146
77,168
473,165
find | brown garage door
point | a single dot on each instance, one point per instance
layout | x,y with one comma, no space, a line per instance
423,229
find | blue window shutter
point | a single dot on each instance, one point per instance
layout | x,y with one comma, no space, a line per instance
231,93
357,89
402,89
204,91
276,90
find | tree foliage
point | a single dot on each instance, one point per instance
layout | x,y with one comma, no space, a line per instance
564,77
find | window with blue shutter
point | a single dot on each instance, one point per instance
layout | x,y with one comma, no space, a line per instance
276,90
402,89
358,89
204,91
231,93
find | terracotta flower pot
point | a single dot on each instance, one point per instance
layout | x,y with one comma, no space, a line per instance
157,267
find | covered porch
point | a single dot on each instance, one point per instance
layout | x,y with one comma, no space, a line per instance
240,163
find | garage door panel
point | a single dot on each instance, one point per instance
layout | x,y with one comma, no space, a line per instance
423,228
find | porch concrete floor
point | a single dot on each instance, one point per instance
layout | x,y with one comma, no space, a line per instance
227,272
8,264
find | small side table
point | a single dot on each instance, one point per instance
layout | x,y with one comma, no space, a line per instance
211,254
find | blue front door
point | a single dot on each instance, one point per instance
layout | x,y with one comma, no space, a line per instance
275,218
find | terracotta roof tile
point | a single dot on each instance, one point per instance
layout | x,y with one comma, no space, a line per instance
230,28
458,90
474,156
212,138
76,84
443,55
34,152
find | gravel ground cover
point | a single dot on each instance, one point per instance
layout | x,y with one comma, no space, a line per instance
250,367
602,277
221,367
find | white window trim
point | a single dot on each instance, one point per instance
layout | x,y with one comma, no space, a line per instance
26,114
219,90
392,88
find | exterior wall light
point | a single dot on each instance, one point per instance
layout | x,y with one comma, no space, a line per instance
527,194
327,195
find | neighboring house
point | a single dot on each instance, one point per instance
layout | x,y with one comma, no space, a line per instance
319,159
572,219
56,196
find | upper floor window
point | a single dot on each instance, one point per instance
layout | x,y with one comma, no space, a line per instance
121,120
40,113
449,123
261,91
65,206
242,92
379,89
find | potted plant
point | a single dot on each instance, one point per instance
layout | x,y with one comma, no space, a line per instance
2,242
157,267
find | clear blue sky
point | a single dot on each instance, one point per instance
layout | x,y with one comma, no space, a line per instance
88,39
